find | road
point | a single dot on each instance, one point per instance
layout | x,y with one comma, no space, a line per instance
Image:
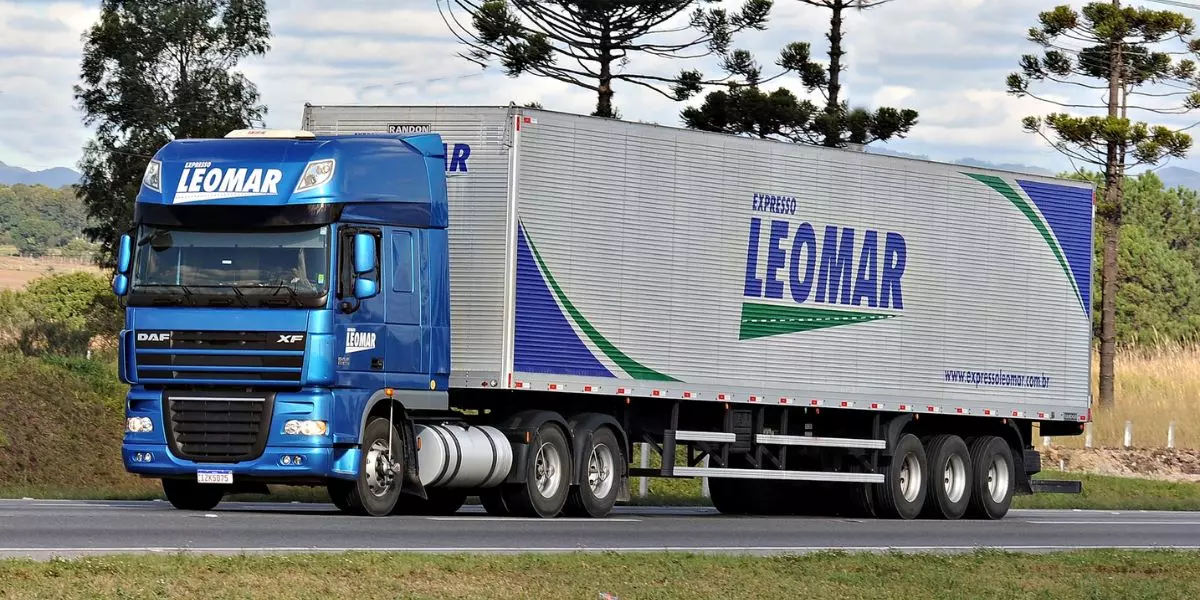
45,528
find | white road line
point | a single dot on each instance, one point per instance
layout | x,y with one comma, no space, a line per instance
535,519
1038,522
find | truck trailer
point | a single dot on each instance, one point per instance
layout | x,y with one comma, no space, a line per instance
413,305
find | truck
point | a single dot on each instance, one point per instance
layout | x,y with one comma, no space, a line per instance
411,306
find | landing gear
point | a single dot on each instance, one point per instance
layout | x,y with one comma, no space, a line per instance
377,489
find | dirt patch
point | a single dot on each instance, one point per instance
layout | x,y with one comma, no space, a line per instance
1152,463
16,272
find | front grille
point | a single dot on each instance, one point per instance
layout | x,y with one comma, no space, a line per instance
215,357
221,427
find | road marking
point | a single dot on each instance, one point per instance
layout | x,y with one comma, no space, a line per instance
1038,522
539,520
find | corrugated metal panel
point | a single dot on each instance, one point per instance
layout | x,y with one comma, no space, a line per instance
637,241
478,200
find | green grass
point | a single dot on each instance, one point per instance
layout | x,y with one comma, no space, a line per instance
1060,576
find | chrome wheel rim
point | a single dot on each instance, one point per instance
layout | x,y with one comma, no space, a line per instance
910,478
997,479
547,470
600,469
378,467
955,478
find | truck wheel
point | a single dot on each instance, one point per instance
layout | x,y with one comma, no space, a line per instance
902,493
438,502
377,488
596,495
994,480
950,478
189,495
492,500
547,476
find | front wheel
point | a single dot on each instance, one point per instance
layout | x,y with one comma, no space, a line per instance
189,495
377,488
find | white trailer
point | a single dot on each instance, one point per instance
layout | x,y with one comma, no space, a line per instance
802,317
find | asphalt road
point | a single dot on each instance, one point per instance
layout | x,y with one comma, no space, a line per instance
45,528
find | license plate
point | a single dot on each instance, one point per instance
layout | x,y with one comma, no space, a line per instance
214,476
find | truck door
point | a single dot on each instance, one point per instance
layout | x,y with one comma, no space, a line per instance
361,334
403,283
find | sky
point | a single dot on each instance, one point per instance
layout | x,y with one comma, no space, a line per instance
947,59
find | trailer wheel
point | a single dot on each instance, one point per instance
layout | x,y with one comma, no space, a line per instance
902,493
547,476
995,478
951,478
377,488
189,495
596,495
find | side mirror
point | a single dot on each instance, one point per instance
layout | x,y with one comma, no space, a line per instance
365,288
120,284
364,253
124,254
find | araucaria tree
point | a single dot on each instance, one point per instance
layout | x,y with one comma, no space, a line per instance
743,108
154,71
589,43
1137,59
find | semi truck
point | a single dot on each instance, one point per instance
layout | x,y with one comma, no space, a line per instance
413,305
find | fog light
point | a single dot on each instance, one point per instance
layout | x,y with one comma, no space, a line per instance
295,427
139,425
291,460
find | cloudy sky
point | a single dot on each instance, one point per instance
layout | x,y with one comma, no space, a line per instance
946,58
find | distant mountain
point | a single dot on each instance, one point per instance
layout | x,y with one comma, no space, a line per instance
968,162
55,177
1179,177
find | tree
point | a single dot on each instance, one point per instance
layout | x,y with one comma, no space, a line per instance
32,236
588,43
744,109
1120,55
152,72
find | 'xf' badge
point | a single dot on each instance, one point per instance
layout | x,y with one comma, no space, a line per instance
290,339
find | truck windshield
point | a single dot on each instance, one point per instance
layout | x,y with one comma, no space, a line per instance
284,266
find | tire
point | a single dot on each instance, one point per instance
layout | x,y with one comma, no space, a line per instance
549,456
189,495
438,502
995,478
603,459
373,493
951,478
902,493
492,500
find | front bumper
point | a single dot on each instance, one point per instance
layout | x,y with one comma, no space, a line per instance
319,463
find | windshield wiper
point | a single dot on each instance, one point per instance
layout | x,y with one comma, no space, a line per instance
187,293
293,297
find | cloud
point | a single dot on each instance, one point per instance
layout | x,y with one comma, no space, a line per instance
948,60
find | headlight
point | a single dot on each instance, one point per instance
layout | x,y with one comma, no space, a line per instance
139,425
153,176
305,428
316,174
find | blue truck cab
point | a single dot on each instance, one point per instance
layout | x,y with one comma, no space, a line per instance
260,328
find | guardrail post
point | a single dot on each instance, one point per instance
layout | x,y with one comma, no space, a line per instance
644,482
1128,434
1046,441
1087,437
1171,435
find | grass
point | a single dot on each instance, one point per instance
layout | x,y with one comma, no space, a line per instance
987,574
1152,389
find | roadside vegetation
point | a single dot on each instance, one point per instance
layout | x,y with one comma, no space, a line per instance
656,575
